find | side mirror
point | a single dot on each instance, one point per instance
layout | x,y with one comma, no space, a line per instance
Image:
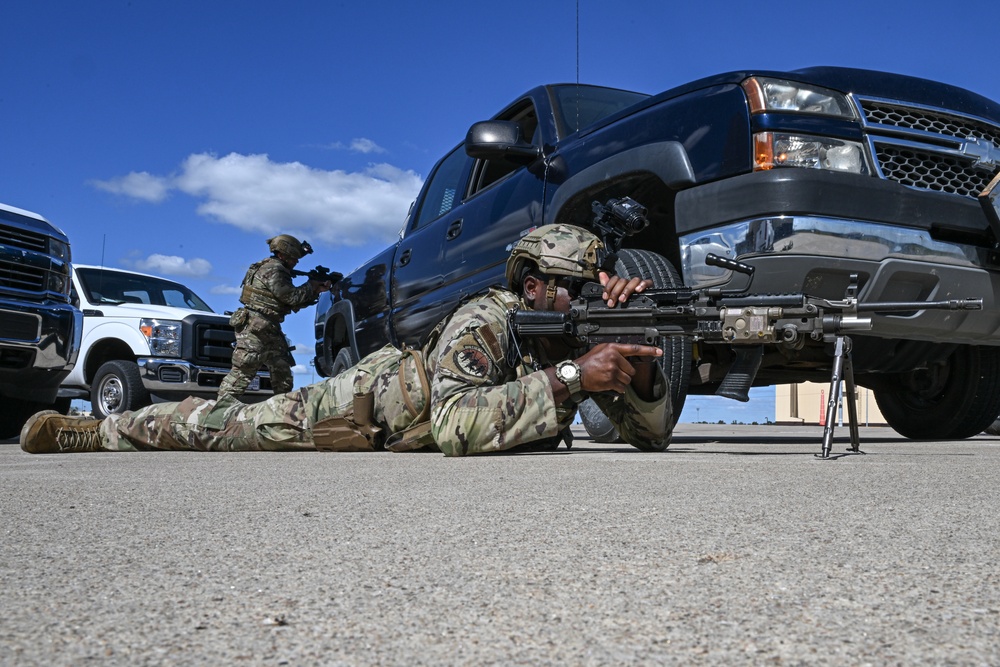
500,139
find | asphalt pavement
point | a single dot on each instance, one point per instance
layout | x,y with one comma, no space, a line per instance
736,546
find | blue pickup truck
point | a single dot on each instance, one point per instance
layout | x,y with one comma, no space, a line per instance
39,328
810,176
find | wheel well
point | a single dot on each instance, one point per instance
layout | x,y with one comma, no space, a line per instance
660,237
104,351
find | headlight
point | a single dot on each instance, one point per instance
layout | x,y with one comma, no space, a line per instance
163,336
58,283
59,249
777,149
779,95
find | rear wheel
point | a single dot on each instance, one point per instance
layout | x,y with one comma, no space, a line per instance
117,388
676,360
344,360
951,401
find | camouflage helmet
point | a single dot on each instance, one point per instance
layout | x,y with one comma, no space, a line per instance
557,250
289,246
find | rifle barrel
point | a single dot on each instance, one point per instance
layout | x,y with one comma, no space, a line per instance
901,306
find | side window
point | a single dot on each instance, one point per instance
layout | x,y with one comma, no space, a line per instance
488,172
445,189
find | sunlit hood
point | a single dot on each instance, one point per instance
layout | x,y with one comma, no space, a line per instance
138,310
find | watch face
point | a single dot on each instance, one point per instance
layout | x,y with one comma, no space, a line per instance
567,372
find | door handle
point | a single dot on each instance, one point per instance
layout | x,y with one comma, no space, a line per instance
404,259
454,229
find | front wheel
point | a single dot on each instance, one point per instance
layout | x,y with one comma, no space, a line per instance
676,359
117,388
950,401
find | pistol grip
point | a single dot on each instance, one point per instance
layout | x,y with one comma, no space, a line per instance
736,385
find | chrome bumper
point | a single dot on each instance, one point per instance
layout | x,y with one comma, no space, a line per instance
817,256
176,376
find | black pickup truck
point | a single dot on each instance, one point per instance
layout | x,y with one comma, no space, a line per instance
39,329
810,176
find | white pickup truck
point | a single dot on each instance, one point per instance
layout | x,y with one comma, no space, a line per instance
147,339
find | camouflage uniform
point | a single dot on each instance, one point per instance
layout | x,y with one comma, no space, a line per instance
479,401
487,392
268,296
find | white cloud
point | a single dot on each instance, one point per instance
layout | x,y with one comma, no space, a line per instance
172,265
358,145
254,194
226,289
362,145
139,185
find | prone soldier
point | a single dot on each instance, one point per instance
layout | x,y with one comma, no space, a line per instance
473,388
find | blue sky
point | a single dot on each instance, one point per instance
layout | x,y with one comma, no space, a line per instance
175,137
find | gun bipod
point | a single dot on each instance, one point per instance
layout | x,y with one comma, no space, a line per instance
843,373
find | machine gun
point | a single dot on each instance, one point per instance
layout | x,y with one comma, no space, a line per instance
320,274
743,320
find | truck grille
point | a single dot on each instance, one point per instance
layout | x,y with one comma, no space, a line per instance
930,171
19,276
19,238
926,120
214,343
927,158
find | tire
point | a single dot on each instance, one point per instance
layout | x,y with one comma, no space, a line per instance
676,359
345,359
994,428
117,388
950,401
15,411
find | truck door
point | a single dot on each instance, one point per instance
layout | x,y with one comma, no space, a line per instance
418,274
503,201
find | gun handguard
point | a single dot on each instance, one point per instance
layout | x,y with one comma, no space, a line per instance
321,274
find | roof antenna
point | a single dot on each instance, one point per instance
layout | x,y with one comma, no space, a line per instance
100,281
577,65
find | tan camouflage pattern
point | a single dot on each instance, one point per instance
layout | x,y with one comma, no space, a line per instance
282,422
269,295
557,250
289,245
479,404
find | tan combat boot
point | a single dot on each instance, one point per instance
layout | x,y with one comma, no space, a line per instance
49,432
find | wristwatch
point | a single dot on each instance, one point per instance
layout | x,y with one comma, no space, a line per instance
569,373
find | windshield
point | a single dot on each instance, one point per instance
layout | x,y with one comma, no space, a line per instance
580,106
107,286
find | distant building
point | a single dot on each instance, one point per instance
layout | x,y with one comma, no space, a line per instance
806,402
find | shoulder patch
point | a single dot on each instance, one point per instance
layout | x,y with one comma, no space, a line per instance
472,361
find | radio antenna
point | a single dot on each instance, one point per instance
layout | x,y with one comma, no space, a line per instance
577,65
